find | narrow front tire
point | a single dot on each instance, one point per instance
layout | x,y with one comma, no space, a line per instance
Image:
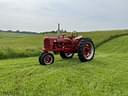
46,58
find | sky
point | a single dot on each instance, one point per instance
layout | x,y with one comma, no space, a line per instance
73,15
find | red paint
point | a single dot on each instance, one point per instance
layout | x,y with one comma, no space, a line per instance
62,44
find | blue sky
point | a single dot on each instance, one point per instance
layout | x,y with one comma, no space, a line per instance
79,15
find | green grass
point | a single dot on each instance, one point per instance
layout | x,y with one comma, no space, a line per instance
13,45
106,75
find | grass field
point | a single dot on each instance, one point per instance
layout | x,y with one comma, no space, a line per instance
13,45
106,75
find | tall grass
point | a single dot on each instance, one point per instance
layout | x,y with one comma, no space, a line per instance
14,45
11,53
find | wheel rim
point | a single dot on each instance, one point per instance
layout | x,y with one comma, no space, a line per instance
88,51
68,54
48,59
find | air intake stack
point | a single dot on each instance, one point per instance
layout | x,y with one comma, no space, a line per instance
58,30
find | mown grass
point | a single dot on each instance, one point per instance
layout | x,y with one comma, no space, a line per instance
106,75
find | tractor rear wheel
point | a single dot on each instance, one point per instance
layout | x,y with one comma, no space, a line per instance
86,50
66,55
46,58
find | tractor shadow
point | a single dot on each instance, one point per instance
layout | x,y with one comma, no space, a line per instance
61,63
66,63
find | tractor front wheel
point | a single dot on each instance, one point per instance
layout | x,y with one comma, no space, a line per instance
66,55
46,58
86,50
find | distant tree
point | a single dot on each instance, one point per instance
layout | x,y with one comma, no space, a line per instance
17,30
53,31
9,31
1,30
64,31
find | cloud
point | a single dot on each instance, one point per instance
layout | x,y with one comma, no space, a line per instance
81,15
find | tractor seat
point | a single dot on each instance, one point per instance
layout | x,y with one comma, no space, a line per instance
78,37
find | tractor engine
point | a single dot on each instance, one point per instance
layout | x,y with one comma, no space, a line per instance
59,44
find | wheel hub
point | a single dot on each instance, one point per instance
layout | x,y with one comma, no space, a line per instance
48,59
88,51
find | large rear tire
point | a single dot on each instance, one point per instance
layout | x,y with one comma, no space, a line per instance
66,55
46,58
86,50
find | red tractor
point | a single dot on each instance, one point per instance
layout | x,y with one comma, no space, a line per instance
66,46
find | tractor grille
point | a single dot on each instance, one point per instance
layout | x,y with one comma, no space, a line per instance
47,43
